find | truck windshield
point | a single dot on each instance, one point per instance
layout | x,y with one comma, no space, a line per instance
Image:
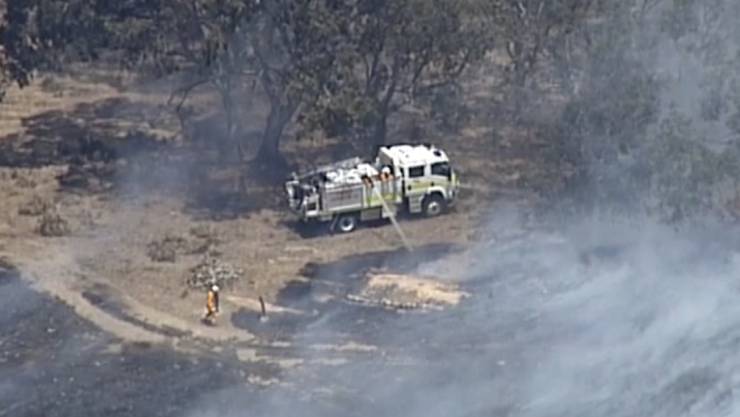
441,169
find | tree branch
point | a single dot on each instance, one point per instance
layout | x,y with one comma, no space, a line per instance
184,92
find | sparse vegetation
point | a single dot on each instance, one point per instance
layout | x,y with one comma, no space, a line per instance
165,250
52,224
36,206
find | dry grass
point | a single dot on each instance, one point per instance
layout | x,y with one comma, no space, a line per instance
112,231
407,289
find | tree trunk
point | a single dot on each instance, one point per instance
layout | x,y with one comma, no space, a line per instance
518,93
380,130
232,140
280,115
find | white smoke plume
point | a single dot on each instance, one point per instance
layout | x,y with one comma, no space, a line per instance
596,318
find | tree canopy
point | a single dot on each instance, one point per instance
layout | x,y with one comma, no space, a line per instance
646,93
339,63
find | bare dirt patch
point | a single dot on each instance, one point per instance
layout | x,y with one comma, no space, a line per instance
408,292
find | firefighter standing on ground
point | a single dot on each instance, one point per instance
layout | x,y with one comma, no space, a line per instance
212,307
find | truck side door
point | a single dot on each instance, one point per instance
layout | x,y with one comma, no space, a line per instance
415,186
416,181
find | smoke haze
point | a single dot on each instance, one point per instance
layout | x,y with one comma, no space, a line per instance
594,319
596,316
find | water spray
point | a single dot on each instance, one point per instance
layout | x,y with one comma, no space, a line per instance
392,214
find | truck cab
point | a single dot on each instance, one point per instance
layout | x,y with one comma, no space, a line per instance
428,182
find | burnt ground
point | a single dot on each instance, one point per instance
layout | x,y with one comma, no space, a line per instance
323,297
116,167
53,363
547,332
544,334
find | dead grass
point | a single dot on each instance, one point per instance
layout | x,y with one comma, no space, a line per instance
411,290
114,228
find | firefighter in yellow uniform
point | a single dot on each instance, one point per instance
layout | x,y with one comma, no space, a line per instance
212,307
386,186
385,173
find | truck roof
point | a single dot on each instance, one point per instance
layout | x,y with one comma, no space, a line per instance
408,155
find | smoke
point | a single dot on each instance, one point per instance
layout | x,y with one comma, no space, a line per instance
591,316
594,317
651,124
577,317
648,334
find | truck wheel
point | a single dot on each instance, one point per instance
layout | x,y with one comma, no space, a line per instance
433,205
347,223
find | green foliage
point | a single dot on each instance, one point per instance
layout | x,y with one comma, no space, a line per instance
686,176
448,108
392,52
345,67
348,65
531,29
629,153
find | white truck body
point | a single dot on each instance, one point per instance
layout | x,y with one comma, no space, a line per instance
410,178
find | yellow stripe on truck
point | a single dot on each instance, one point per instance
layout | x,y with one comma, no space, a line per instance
426,185
375,201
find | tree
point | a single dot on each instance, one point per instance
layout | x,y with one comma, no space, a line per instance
536,40
393,52
654,89
309,55
282,45
5,78
611,100
295,45
20,50
208,39
686,178
530,28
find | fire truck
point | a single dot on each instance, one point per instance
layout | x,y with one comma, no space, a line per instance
401,178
